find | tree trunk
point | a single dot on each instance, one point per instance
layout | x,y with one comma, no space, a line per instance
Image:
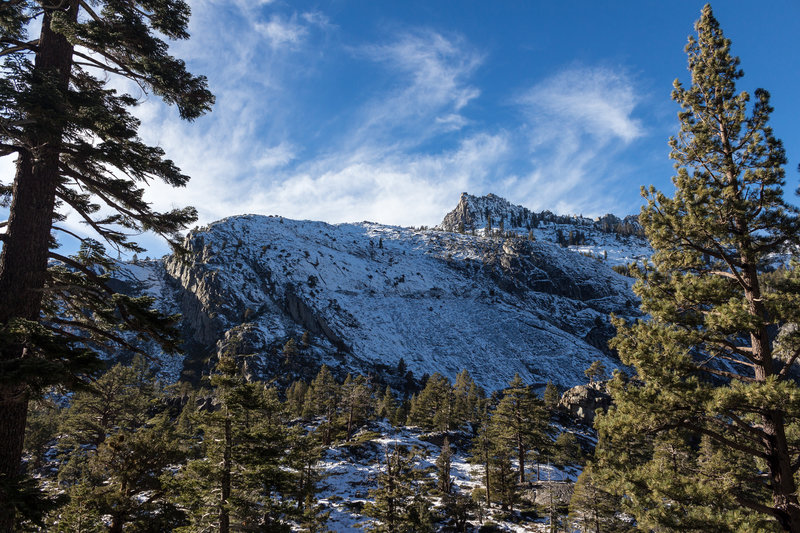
521,457
486,472
23,260
224,517
779,462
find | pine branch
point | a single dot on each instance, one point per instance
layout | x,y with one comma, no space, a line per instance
721,439
83,269
723,373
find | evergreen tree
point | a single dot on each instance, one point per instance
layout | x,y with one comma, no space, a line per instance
296,397
458,509
467,397
77,149
289,352
305,453
356,403
566,450
433,407
519,422
594,510
119,400
551,396
241,465
125,476
709,367
502,477
323,399
388,406
481,452
41,430
399,504
443,466
596,371
116,448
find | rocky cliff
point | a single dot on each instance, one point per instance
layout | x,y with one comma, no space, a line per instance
372,298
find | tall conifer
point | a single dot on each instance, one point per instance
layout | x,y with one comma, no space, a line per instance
709,366
76,147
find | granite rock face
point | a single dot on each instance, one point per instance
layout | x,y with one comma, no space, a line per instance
583,401
370,298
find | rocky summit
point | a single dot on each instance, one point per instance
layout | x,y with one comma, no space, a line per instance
387,300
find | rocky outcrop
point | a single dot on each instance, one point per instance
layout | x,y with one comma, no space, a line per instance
366,296
583,402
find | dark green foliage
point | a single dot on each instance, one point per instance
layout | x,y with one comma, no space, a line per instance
296,398
433,407
41,430
566,450
356,405
458,508
239,466
593,510
596,371
443,466
289,351
551,396
706,434
116,447
388,406
467,399
400,504
322,400
519,424
77,149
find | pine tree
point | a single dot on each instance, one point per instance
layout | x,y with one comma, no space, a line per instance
709,367
467,397
481,452
296,397
323,399
119,400
594,510
519,422
241,465
304,455
77,149
289,351
41,430
596,371
126,477
443,466
399,504
433,407
356,400
388,406
116,445
551,396
566,450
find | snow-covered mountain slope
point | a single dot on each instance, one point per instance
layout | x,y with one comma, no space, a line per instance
370,295
617,241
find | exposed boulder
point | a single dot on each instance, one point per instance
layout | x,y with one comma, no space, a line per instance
582,402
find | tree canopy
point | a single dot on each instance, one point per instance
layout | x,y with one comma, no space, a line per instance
705,434
77,151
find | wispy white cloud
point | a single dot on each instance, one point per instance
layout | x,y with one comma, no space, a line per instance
281,32
403,153
431,74
598,102
577,122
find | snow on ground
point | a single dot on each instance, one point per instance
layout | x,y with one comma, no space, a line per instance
441,301
351,470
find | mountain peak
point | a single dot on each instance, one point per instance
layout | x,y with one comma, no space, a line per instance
618,240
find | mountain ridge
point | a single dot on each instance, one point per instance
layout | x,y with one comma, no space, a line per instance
371,296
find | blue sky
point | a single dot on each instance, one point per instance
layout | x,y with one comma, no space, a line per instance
386,111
